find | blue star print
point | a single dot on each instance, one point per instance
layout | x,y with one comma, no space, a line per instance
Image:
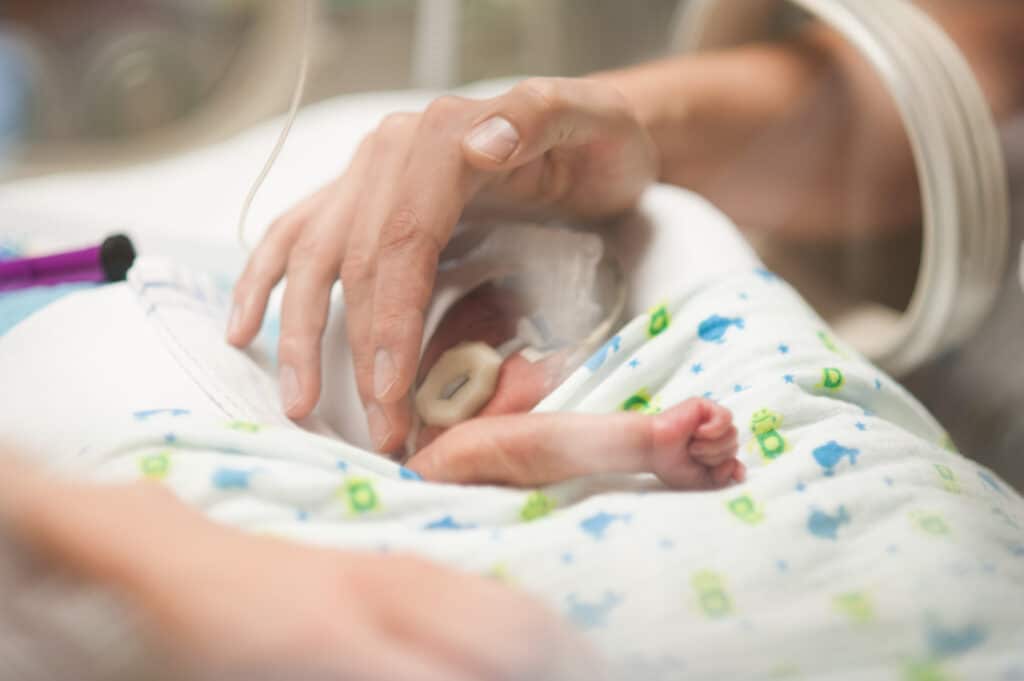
789,378
592,615
784,349
447,523
697,368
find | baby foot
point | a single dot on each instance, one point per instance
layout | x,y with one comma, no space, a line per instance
694,446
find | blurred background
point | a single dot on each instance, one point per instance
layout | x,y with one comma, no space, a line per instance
84,84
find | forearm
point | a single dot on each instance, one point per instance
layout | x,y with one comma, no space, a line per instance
796,137
801,136
54,624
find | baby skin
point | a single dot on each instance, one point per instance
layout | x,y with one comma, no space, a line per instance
691,446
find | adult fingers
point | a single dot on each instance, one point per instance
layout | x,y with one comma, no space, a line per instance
266,267
393,143
313,267
524,643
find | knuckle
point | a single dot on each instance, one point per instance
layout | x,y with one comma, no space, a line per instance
404,231
394,124
444,107
304,251
308,259
299,341
544,92
357,268
280,227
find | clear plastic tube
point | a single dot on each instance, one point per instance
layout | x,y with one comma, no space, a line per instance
309,8
957,154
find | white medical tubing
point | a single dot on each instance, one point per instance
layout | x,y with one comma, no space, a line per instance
293,112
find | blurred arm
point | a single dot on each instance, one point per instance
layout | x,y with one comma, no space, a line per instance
800,136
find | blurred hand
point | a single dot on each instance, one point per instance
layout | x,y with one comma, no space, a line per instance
233,605
570,147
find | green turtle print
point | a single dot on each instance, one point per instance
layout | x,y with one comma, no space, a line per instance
832,379
746,509
765,424
930,523
857,606
155,466
537,506
830,343
642,402
712,597
949,481
659,321
361,496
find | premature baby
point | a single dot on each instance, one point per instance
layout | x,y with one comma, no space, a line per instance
692,445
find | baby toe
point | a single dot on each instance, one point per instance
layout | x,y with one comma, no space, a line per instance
714,452
716,423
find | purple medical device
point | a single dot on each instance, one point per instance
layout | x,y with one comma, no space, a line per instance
110,261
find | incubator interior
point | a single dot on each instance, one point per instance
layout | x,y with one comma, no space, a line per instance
698,356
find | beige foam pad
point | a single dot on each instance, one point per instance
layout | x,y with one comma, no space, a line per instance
461,382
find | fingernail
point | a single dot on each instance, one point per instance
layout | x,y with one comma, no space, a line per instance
494,138
290,391
380,428
383,373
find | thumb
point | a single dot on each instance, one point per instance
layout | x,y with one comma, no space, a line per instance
538,115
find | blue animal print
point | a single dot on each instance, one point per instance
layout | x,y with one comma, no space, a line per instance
826,526
596,525
592,615
231,478
150,413
409,474
951,642
598,358
447,523
1007,518
991,482
830,454
714,328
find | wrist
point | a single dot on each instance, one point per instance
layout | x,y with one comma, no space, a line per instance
702,110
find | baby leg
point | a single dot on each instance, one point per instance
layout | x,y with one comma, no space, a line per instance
690,446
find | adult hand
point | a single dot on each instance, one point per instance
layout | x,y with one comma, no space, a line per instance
225,604
572,147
